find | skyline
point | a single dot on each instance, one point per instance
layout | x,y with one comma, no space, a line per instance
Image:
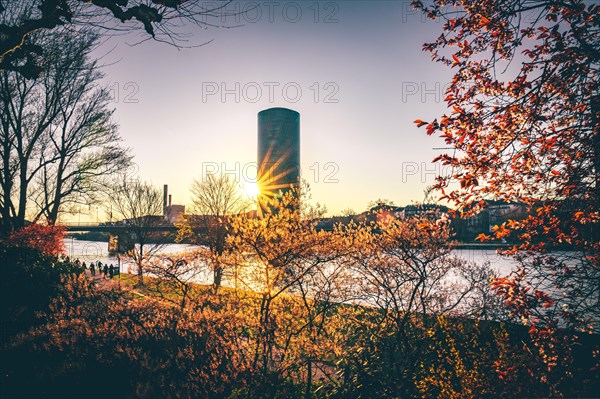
363,80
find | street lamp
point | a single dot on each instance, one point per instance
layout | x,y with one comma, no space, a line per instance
119,268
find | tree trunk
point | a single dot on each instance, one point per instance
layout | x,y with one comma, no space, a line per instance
24,184
308,390
140,271
217,277
53,212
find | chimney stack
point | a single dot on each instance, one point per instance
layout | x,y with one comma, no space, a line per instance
165,193
169,199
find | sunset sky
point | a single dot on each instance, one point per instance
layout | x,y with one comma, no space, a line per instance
363,80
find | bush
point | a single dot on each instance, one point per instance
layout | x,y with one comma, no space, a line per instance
30,279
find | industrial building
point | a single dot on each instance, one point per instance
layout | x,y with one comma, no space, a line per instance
171,213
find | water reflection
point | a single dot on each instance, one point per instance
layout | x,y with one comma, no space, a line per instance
93,251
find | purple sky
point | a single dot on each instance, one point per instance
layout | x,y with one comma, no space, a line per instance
363,80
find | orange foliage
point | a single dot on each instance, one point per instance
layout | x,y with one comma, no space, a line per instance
46,238
529,134
374,309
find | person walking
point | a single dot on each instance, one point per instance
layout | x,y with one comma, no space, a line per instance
92,268
111,271
105,270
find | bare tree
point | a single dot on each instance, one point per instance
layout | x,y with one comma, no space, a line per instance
57,136
348,212
177,273
161,20
140,205
215,199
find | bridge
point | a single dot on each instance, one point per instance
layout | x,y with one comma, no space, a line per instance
115,228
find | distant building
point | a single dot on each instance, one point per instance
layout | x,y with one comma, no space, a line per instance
493,213
500,212
382,211
171,213
429,210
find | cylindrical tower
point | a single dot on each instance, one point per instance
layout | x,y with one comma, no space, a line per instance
278,151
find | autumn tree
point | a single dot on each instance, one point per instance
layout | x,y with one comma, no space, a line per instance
48,239
280,251
58,140
215,200
140,206
158,19
406,270
525,106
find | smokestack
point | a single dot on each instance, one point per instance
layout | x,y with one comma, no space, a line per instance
165,192
169,199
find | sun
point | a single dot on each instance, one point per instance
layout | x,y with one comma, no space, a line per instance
251,189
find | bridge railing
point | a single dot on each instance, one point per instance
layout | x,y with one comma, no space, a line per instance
82,223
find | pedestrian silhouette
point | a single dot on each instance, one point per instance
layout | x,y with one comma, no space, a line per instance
111,271
105,270
92,268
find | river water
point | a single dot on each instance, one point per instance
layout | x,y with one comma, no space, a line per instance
92,251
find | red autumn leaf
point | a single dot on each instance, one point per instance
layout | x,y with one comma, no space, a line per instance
533,330
548,304
430,129
420,122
